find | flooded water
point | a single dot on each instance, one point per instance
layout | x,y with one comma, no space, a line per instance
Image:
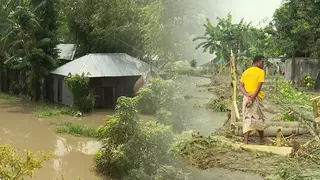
205,121
74,155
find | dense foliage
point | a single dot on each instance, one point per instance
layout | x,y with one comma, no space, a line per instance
134,148
28,40
82,99
296,27
163,99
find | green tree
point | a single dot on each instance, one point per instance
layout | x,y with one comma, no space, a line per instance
225,38
168,29
296,25
193,63
30,40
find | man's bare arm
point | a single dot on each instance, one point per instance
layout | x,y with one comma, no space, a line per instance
243,90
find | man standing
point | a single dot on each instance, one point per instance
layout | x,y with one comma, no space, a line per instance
250,85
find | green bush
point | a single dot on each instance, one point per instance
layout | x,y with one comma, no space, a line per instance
163,99
83,101
77,129
17,167
309,81
130,146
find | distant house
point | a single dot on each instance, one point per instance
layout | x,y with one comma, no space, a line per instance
111,76
276,65
66,52
209,67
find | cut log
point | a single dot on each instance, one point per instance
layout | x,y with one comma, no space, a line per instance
287,128
282,151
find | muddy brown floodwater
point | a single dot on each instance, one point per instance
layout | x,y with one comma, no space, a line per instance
74,155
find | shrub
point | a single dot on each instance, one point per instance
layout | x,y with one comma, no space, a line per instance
163,99
50,111
309,81
77,129
14,166
130,146
83,101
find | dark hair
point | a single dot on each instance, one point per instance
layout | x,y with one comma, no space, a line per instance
257,59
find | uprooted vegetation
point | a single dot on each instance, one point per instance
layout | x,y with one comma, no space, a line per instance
206,153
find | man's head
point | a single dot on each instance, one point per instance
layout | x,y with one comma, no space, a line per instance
258,61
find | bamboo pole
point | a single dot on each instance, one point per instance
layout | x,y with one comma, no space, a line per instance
282,151
235,114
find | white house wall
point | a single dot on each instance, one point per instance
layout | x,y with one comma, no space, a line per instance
66,93
303,67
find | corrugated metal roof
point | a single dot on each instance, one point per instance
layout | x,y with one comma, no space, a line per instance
66,51
104,65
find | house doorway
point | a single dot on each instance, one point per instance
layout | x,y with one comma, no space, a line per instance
59,90
109,97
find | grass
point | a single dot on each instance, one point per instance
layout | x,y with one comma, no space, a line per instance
77,129
43,111
6,98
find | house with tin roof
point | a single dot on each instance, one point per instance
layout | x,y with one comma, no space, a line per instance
111,75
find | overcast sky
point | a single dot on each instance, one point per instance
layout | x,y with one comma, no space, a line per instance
250,10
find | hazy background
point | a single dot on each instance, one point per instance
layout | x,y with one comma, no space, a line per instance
250,10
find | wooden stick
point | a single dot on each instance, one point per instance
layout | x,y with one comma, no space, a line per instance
282,151
315,98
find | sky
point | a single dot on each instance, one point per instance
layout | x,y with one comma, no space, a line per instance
251,10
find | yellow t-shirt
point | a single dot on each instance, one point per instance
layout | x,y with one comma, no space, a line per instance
250,78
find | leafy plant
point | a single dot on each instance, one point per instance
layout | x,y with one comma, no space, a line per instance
77,129
83,101
309,81
15,166
43,111
164,96
130,146
284,93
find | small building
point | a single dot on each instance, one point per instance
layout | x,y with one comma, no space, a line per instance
111,75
